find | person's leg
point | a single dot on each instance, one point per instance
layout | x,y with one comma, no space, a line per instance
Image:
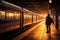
47,29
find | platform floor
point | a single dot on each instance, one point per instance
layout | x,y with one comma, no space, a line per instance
38,32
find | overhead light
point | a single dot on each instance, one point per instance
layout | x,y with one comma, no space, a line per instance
50,1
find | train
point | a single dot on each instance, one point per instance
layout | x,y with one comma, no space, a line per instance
11,15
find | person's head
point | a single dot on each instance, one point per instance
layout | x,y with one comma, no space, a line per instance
48,14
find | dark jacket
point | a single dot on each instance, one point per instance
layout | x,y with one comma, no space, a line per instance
49,20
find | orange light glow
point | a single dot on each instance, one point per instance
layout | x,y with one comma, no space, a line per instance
2,13
38,32
17,16
10,14
43,15
27,15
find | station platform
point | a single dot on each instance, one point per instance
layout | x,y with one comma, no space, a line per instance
38,32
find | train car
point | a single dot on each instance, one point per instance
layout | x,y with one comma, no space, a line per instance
12,15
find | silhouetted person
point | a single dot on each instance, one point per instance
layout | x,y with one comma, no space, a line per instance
49,20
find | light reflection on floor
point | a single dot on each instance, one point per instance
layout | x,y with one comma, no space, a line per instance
40,33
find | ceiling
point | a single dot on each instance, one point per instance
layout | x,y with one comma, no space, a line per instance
37,6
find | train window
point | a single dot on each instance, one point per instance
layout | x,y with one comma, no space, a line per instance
38,18
34,18
2,15
27,19
16,15
9,15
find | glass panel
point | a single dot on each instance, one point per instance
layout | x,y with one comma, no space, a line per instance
39,18
34,19
2,15
16,15
9,16
27,19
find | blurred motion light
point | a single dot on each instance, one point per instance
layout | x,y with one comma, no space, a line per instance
50,1
10,14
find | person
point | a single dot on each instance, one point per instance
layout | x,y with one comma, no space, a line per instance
49,20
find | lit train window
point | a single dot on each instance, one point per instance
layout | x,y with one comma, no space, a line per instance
9,16
34,18
27,16
38,18
2,14
16,15
27,19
